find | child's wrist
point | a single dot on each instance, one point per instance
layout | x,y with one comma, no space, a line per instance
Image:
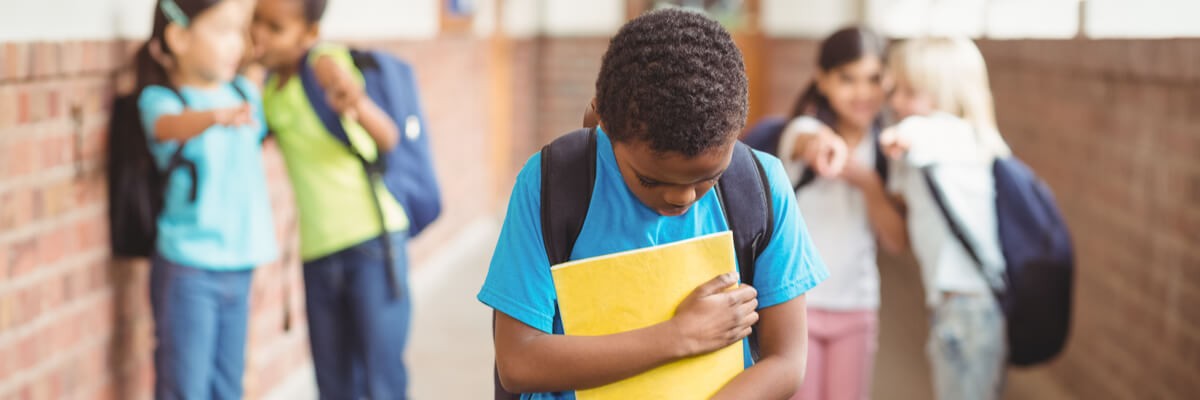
676,343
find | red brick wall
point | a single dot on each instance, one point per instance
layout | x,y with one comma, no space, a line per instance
790,65
453,76
566,70
1114,128
526,126
74,323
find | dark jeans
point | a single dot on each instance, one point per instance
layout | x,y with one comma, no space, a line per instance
357,325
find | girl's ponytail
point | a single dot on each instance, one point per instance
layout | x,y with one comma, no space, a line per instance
149,66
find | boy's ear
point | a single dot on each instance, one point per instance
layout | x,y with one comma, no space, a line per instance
312,34
590,118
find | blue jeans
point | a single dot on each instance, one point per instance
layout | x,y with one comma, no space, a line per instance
357,325
200,324
967,348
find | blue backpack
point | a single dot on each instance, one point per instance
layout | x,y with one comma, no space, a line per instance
407,170
1039,257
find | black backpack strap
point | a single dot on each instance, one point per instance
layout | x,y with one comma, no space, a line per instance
568,173
881,160
881,166
744,191
806,178
177,159
956,228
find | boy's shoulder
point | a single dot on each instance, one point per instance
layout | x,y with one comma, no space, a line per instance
775,173
530,176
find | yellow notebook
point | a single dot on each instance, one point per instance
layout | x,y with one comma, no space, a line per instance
639,288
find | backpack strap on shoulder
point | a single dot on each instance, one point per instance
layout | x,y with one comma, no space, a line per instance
744,191
881,159
177,159
568,174
745,198
316,99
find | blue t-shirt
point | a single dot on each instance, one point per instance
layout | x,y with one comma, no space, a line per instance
229,226
519,283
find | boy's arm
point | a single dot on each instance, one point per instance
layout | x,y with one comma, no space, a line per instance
347,97
377,123
188,124
532,361
782,341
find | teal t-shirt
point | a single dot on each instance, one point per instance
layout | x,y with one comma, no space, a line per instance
519,282
229,226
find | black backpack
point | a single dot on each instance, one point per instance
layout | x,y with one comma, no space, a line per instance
764,137
1039,258
136,186
568,176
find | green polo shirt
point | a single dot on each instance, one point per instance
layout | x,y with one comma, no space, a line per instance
328,181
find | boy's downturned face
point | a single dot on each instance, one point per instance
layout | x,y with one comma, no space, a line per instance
669,183
281,34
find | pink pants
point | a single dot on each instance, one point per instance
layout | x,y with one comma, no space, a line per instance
841,354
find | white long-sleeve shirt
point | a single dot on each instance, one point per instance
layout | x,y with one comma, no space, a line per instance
835,212
947,145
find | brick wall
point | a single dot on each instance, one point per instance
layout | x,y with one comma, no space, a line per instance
790,66
526,125
76,324
452,74
1114,127
566,70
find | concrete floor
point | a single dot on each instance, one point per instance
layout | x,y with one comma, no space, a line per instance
450,356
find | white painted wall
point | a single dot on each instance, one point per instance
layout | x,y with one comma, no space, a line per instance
24,20
1019,19
582,17
381,19
53,20
522,18
908,18
806,18
1141,18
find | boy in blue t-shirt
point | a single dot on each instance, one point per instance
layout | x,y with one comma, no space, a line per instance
671,98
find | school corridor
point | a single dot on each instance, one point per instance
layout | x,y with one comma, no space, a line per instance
1100,97
450,353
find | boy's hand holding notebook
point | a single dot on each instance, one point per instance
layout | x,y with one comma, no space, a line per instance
686,283
703,324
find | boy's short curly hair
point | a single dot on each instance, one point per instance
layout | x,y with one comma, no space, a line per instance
675,80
